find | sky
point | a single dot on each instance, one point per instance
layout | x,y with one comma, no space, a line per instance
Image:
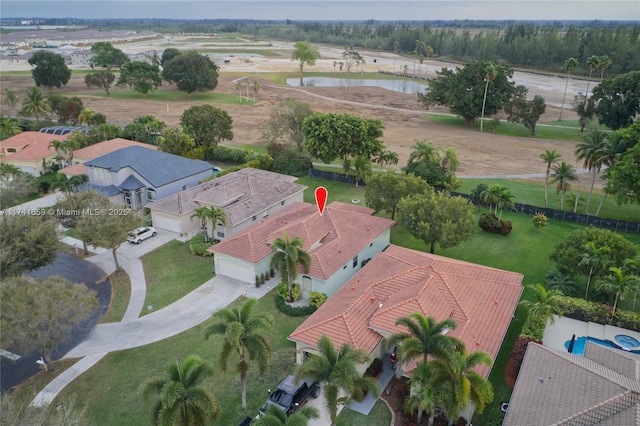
422,10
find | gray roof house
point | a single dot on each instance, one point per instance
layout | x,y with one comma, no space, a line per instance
555,387
246,196
135,176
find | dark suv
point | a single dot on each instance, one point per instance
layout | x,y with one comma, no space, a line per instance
289,395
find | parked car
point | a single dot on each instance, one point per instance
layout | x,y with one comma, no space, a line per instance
289,395
140,234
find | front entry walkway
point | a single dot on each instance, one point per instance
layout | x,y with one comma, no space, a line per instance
369,401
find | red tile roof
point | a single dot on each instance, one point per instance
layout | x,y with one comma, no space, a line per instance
332,239
398,282
30,146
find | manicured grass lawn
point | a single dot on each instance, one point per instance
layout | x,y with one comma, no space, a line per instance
336,191
174,96
379,416
34,384
71,232
512,129
172,272
120,295
109,389
532,192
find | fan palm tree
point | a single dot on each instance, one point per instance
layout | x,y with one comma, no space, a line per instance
550,157
556,280
593,63
563,173
362,168
423,397
570,66
288,254
490,74
605,63
180,399
424,336
276,416
619,282
589,150
10,98
35,104
545,303
338,369
459,384
241,328
593,257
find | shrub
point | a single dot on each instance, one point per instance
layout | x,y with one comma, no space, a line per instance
492,125
583,310
262,278
475,194
272,273
534,327
283,291
540,221
257,281
293,311
316,298
198,247
290,161
374,369
228,155
519,349
490,223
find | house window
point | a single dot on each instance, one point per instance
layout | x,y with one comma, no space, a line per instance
344,267
185,187
355,261
253,218
151,194
220,231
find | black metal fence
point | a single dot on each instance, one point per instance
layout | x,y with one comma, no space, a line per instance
579,218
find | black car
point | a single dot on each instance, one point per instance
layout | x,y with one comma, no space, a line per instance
289,395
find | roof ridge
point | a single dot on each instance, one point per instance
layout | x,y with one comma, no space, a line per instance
444,284
489,280
602,410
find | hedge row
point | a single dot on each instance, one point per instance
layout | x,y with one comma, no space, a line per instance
294,311
600,313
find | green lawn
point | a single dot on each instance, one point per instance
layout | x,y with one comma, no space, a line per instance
109,388
120,295
336,191
173,96
172,272
379,416
71,232
262,52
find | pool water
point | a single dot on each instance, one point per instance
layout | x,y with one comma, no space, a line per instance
627,341
578,344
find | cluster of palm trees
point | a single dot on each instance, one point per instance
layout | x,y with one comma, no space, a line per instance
593,63
215,214
444,377
421,50
239,88
497,197
424,151
561,173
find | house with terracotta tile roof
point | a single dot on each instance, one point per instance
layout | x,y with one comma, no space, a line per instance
29,151
398,282
88,153
555,387
339,242
246,196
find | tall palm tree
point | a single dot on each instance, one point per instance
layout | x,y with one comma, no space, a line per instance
632,267
424,337
241,328
256,88
338,369
504,199
563,173
276,416
570,66
35,104
593,257
423,397
10,98
619,282
239,90
589,150
593,63
396,46
550,157
490,74
458,383
362,168
545,303
288,254
429,51
202,213
612,150
180,399
605,63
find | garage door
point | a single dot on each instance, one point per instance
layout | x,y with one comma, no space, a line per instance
28,169
166,222
234,269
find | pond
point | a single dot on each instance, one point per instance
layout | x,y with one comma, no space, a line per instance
403,86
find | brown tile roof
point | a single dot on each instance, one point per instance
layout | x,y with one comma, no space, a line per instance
102,148
73,170
31,146
556,387
241,194
398,282
332,239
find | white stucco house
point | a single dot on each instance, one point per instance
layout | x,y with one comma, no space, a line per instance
338,241
135,176
246,196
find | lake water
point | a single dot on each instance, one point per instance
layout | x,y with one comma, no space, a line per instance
403,86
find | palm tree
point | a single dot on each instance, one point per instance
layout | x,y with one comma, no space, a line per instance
288,254
424,337
396,46
556,280
570,66
217,216
379,49
458,383
387,158
544,305
275,416
66,184
612,149
338,369
429,51
605,63
241,328
362,168
593,63
86,115
239,90
562,174
493,196
202,213
35,104
594,258
619,282
9,127
423,397
10,98
490,74
589,151
504,199
550,157
180,399
423,150
632,268
405,69
256,88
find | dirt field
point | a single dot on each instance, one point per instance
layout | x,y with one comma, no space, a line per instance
481,154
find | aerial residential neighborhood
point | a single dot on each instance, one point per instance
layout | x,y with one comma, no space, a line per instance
380,213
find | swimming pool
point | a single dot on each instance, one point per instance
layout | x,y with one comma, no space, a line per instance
578,344
627,341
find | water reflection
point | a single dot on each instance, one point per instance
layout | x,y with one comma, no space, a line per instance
402,86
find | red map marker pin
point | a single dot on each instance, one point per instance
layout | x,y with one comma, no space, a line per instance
321,198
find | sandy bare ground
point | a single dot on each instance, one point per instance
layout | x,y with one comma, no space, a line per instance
481,154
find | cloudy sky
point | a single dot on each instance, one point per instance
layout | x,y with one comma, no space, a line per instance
329,9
